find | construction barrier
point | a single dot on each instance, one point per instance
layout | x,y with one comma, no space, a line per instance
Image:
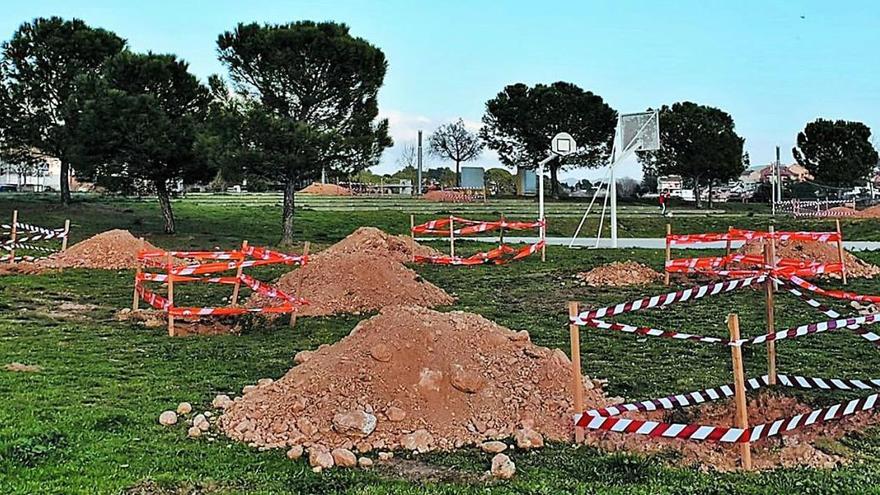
446,227
38,242
192,266
745,265
820,208
768,276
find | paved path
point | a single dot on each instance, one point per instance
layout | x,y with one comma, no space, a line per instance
636,242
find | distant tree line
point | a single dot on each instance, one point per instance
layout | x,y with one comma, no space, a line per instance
301,99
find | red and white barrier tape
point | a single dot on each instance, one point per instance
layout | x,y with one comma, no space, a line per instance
750,235
498,256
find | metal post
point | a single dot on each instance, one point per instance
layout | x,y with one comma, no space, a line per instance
419,175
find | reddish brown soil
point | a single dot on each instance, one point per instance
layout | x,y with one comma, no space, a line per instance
363,272
451,196
372,241
619,274
871,212
822,252
111,250
20,268
459,376
798,448
840,210
319,189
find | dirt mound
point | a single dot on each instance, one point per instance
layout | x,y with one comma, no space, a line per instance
871,212
412,378
370,240
801,447
319,189
822,252
452,196
112,250
839,211
20,268
619,274
354,283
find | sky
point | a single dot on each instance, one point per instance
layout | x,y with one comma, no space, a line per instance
773,65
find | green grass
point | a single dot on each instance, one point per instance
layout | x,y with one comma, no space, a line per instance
87,422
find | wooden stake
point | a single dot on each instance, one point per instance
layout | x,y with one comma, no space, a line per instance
135,299
577,383
728,246
739,383
770,260
412,235
66,232
170,296
501,231
299,285
451,237
840,251
14,236
235,290
668,253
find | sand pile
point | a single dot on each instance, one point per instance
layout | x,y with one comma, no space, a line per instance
362,272
871,212
802,447
416,379
319,189
822,252
370,240
619,274
112,250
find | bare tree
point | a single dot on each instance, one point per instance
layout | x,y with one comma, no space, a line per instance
408,155
455,142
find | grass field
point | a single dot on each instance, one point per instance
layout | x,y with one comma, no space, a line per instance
87,422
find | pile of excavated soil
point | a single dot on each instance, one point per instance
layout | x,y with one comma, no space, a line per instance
112,250
416,379
871,212
822,252
354,283
448,197
800,447
372,241
619,274
363,272
319,189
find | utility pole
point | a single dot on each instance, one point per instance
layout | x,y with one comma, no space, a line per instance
778,176
419,174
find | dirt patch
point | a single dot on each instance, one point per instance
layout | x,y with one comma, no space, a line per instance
151,318
416,379
802,447
619,274
363,272
20,268
112,250
319,189
449,197
822,252
23,368
375,242
423,472
870,212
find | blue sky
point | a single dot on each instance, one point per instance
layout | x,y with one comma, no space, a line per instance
773,65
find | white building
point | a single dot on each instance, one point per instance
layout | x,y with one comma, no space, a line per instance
674,184
44,176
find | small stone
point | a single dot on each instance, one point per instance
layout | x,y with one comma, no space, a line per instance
194,432
354,423
262,382
221,401
344,458
420,441
384,456
302,356
467,381
365,462
168,418
184,408
320,458
430,379
248,389
381,353
502,467
493,447
527,438
306,427
395,414
201,422
295,452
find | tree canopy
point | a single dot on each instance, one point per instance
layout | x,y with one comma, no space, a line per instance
837,153
139,124
41,68
699,143
453,141
307,101
521,120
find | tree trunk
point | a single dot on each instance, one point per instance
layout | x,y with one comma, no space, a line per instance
165,205
711,204
554,184
457,173
697,193
64,182
287,213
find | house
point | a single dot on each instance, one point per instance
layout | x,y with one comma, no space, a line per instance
674,184
42,176
763,173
